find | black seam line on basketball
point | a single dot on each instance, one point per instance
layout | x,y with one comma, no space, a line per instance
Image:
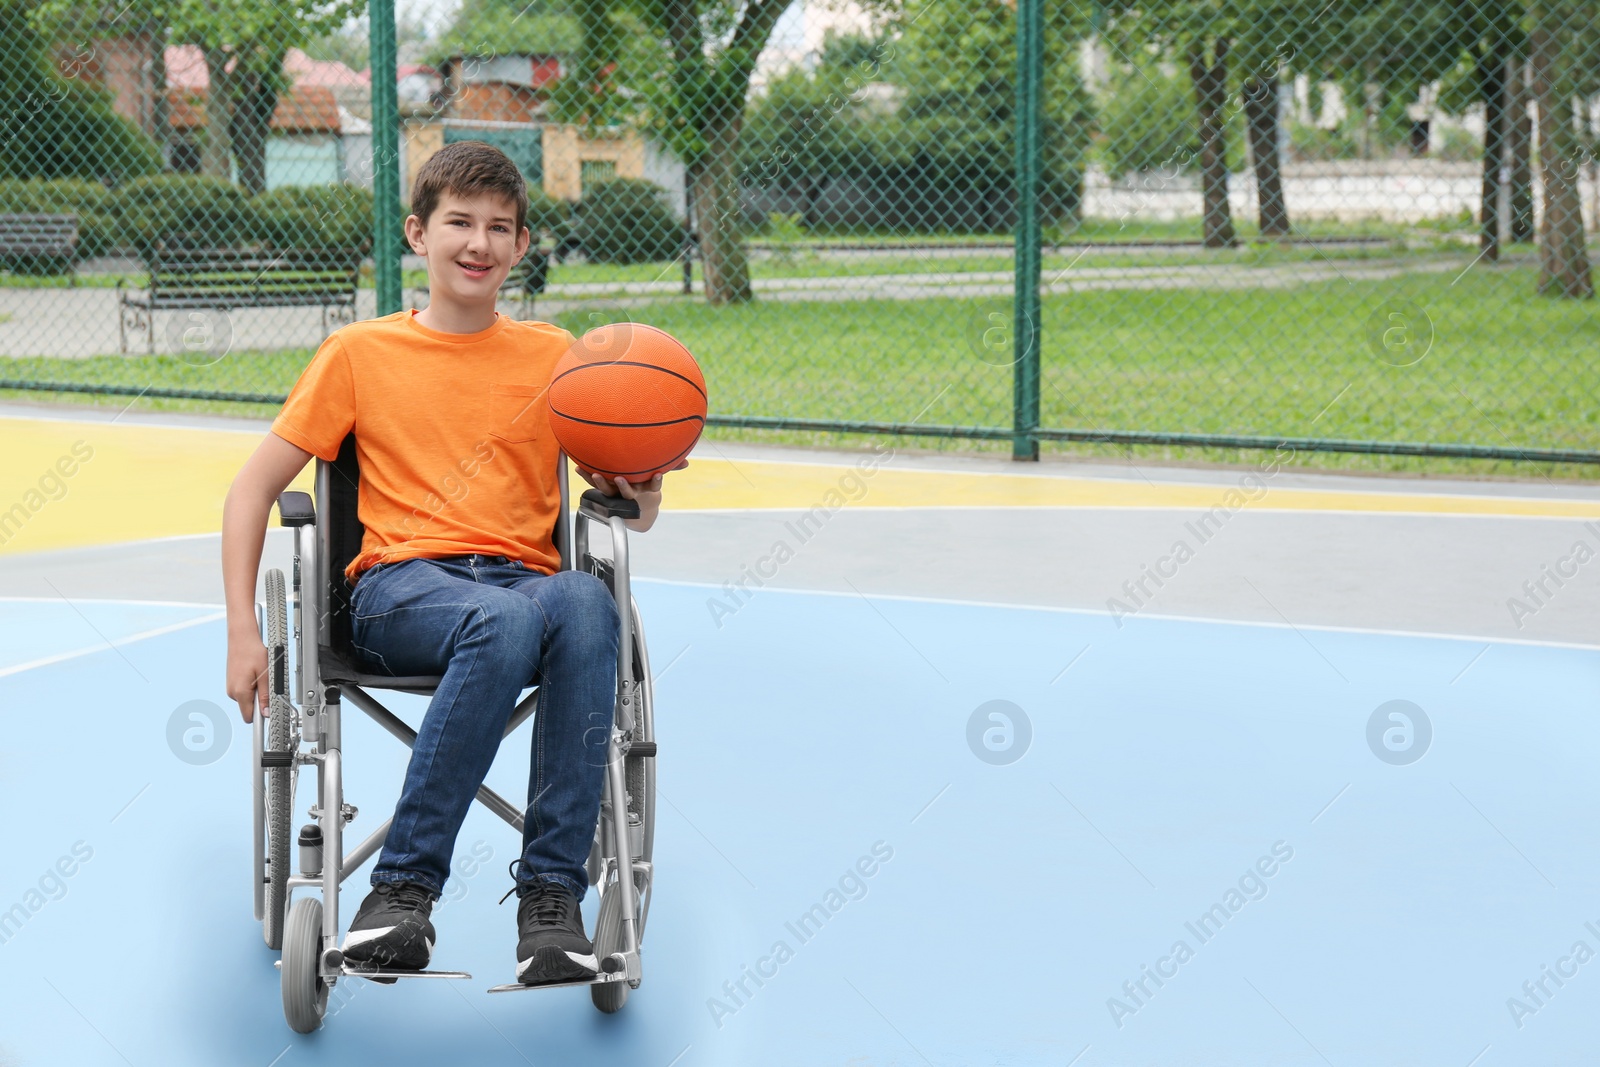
629,363
674,459
628,425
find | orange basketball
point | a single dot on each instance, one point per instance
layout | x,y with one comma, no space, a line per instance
627,400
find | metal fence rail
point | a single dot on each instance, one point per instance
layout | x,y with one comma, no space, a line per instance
1341,227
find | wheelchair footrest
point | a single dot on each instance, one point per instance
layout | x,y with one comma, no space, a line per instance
513,987
378,972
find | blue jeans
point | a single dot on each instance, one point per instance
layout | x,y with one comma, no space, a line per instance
493,628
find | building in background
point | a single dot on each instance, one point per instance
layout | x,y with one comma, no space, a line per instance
504,101
319,132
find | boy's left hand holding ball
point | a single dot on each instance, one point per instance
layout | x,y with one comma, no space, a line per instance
648,494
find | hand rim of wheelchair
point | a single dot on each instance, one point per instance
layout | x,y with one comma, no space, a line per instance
274,786
311,963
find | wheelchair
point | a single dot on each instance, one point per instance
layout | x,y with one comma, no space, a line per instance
302,730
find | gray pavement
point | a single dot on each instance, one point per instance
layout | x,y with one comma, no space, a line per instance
1448,574
79,322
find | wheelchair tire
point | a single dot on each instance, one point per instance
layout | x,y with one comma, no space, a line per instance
640,776
280,780
641,770
609,996
305,993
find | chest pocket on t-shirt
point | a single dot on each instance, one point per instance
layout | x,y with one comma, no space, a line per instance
515,411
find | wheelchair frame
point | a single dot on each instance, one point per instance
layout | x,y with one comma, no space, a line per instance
326,674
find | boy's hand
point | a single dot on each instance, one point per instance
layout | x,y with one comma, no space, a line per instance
648,494
247,674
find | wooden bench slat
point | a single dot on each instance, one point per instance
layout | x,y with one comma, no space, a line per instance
38,235
232,278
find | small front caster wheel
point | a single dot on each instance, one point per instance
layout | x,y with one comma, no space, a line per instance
305,993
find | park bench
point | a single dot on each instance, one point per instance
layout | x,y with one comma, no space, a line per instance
36,237
224,279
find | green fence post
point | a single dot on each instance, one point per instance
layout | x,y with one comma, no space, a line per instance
385,158
1025,300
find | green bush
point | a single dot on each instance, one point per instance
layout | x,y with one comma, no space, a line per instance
54,127
1151,123
546,215
1318,144
314,216
627,220
185,209
88,200
1459,146
915,160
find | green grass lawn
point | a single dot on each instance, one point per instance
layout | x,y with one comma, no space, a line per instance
1490,363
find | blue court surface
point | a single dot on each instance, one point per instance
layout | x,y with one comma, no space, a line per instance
1181,842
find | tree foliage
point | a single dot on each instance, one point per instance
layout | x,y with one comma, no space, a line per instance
58,127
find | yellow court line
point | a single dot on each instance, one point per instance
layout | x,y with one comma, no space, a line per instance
73,483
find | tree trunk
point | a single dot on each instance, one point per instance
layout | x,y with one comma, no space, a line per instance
1261,114
808,201
1563,258
716,197
216,154
1492,87
160,115
1371,103
252,121
1210,97
1519,146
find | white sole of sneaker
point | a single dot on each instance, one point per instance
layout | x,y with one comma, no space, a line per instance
552,964
356,938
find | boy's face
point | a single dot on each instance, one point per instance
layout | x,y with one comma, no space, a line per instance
471,245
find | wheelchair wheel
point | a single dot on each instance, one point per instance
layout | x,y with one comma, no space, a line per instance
280,780
305,993
639,772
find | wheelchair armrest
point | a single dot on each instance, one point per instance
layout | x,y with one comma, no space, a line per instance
600,506
295,509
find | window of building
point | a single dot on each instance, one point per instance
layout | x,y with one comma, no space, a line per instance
594,171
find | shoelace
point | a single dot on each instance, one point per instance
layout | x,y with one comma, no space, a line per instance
547,905
546,901
412,895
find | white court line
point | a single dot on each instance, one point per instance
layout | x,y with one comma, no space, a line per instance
111,600
1211,620
6,416
1476,639
885,596
1380,512
118,643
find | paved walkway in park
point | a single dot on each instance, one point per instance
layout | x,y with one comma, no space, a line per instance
83,321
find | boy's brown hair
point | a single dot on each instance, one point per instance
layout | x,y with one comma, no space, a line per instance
468,168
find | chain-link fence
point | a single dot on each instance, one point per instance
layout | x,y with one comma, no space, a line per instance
1345,226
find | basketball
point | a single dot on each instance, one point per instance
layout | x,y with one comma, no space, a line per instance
627,401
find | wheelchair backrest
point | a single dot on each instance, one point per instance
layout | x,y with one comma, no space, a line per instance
340,529
340,532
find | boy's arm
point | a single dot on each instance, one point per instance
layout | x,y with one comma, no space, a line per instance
244,529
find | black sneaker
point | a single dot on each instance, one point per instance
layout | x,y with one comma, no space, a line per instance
551,946
391,930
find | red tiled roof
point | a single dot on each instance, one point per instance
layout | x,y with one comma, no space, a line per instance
186,69
304,109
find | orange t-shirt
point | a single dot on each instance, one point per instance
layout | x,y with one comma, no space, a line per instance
452,434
